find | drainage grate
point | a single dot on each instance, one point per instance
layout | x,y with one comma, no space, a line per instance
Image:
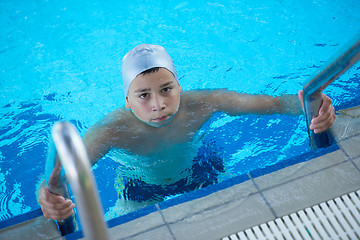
335,219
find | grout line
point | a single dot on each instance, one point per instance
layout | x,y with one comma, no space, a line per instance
217,206
343,150
232,200
352,161
163,218
350,136
263,197
300,177
349,158
139,233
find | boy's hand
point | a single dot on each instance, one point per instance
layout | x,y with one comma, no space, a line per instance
326,115
55,207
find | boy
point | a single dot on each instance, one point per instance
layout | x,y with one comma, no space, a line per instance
158,130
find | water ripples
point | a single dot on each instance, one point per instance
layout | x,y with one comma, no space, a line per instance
11,202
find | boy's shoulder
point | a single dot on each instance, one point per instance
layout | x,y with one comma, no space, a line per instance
201,96
119,119
195,95
203,93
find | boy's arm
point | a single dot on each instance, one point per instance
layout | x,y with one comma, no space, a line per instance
111,131
234,103
97,143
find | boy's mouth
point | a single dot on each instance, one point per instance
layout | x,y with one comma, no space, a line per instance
160,119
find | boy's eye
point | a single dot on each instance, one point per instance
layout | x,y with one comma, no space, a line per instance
165,90
143,95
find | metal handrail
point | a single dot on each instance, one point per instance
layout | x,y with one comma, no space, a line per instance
321,79
67,152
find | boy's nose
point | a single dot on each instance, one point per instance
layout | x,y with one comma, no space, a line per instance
158,104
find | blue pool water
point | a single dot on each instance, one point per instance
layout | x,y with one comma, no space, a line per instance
60,60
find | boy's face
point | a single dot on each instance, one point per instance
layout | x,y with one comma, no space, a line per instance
154,97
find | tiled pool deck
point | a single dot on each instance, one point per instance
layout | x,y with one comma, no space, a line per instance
256,200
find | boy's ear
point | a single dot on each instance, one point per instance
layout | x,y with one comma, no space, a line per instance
127,103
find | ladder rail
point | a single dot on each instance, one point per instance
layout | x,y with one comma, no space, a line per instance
321,79
68,160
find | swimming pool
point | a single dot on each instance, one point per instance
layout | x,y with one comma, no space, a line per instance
61,61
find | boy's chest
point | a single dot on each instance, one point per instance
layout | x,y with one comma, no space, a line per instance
145,140
160,140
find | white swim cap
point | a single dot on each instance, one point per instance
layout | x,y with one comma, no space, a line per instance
142,58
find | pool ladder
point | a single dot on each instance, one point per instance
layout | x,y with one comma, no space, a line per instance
321,79
67,152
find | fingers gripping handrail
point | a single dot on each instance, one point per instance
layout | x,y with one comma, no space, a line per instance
73,158
321,79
